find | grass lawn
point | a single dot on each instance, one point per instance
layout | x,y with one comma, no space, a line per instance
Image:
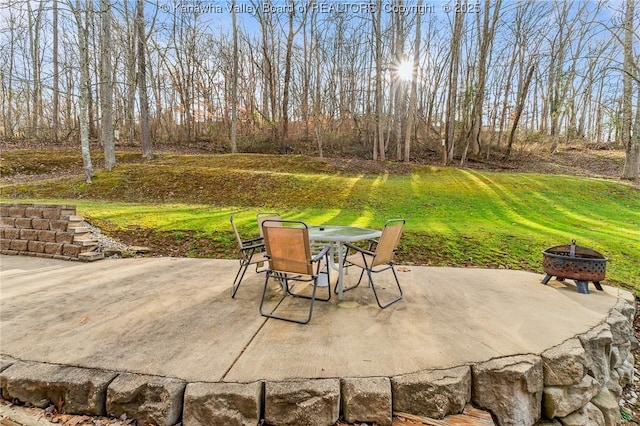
456,217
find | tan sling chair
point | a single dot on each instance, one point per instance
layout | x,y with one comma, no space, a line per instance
251,253
291,262
378,258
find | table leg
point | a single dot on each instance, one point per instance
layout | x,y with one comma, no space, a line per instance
340,271
332,257
338,267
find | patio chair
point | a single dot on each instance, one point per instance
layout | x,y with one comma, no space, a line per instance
251,253
378,258
273,217
290,260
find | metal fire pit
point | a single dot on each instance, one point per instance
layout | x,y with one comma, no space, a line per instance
576,263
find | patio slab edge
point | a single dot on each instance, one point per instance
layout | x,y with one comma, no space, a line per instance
578,381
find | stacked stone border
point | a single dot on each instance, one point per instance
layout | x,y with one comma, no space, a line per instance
46,230
577,382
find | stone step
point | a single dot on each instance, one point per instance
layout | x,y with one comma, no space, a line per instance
78,229
84,242
89,247
76,219
91,256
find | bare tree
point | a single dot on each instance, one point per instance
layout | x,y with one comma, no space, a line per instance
325,74
450,123
70,106
182,58
434,71
378,147
398,83
291,33
145,134
85,89
631,140
522,96
486,43
305,89
7,80
55,119
89,17
566,48
268,64
316,71
35,24
633,154
130,73
106,87
234,80
413,96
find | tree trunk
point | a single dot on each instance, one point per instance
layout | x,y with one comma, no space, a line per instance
413,97
632,158
106,87
89,13
234,81
36,63
519,107
68,104
378,148
269,65
631,140
317,89
145,133
8,127
306,77
130,75
398,83
284,133
488,31
55,119
450,124
85,83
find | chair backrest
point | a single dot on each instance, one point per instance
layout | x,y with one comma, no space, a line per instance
288,246
235,231
388,242
238,238
273,217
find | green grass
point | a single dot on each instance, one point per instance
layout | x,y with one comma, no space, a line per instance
454,216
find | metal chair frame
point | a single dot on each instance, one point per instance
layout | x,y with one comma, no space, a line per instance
379,253
292,269
251,253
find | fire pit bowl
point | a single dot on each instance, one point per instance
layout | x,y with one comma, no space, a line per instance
577,263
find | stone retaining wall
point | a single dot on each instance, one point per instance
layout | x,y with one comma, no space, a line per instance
43,230
578,382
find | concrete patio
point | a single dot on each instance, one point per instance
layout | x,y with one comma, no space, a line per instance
174,318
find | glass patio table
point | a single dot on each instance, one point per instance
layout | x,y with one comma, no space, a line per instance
337,236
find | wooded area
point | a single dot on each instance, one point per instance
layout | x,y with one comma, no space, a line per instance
381,79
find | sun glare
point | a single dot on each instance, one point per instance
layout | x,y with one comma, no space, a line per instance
405,70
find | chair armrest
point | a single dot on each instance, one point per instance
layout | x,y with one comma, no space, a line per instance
320,255
359,249
252,241
253,247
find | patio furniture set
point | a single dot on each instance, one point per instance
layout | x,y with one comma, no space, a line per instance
294,253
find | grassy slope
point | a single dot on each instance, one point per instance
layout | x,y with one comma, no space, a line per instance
454,217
